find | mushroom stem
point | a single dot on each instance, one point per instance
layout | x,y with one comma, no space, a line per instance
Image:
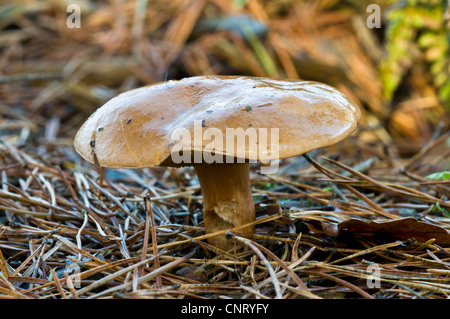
227,199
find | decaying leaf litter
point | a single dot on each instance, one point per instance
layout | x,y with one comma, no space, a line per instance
71,230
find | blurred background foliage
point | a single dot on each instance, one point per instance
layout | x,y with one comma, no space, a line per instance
398,73
416,32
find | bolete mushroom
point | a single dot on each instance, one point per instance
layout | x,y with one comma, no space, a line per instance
217,124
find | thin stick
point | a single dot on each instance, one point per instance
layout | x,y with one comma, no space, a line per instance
149,210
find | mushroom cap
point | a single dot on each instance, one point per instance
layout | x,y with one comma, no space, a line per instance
135,129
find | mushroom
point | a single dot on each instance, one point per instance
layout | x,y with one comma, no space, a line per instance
194,121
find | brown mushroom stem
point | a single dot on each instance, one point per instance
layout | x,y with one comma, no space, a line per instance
227,199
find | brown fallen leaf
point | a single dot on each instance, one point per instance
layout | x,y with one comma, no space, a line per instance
403,228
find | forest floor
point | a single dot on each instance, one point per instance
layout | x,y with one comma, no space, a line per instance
366,218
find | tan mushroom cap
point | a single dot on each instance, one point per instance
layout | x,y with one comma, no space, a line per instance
134,129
